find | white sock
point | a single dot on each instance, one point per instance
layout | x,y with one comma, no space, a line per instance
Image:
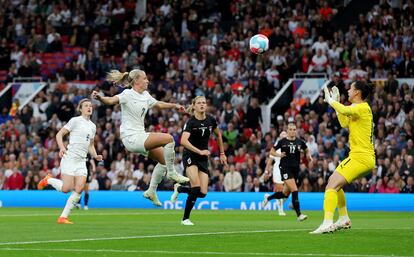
56,183
70,204
343,217
157,175
169,156
280,204
327,222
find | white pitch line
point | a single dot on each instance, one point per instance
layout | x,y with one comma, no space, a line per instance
86,214
152,236
199,253
180,235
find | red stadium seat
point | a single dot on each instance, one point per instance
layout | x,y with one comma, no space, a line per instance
48,55
65,39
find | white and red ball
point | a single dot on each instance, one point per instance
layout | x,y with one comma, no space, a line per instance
259,44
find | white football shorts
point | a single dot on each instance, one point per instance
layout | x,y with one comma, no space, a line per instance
73,167
136,143
277,177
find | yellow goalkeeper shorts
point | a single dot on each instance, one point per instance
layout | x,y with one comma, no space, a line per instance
354,167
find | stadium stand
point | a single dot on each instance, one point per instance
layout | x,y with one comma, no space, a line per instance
189,48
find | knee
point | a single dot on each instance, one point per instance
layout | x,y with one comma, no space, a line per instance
79,189
329,187
169,139
65,190
195,191
286,193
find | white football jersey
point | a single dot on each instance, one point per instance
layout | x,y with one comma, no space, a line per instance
82,131
277,159
134,107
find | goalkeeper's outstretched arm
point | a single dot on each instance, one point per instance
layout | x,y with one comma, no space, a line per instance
351,110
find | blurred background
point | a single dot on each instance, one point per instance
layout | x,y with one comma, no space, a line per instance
54,53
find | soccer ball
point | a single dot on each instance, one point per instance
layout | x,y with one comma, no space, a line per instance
259,44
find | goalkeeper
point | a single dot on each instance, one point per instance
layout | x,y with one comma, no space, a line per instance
358,119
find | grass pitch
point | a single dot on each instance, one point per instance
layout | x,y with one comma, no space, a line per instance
126,232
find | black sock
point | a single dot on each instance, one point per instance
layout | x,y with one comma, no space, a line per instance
86,199
277,195
191,199
201,195
184,189
295,202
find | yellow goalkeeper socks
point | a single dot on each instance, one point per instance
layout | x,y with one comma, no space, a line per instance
342,203
330,203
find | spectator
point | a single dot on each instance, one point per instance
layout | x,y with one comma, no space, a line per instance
272,76
258,186
2,180
5,116
230,135
103,180
253,115
229,113
379,187
319,63
118,183
69,72
391,187
305,185
232,180
253,146
407,168
391,85
248,184
409,187
66,109
15,181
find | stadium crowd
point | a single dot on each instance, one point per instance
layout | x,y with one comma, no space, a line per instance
191,48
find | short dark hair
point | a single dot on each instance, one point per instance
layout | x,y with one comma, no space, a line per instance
365,86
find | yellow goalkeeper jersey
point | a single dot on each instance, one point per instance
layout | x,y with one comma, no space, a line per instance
358,118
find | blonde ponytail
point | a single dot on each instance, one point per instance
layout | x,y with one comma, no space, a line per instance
118,78
125,79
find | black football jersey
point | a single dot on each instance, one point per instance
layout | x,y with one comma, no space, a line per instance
292,149
200,131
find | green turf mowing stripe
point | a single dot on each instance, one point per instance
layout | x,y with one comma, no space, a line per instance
200,253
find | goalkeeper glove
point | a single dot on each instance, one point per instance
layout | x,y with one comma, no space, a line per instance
335,94
328,97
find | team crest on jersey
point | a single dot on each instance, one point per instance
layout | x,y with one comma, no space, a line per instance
189,161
